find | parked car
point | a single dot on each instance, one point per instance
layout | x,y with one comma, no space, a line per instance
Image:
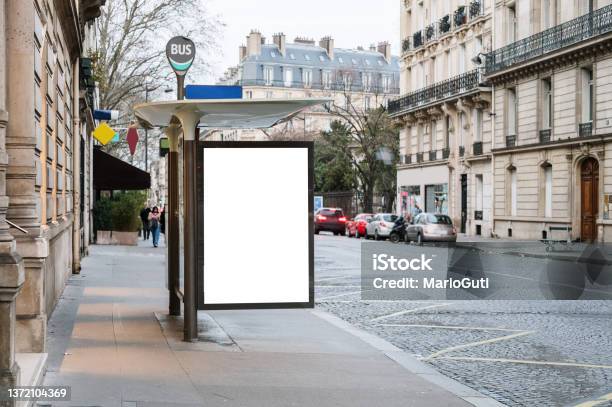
357,226
330,220
398,233
431,227
380,226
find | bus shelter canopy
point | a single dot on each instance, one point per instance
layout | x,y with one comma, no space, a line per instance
224,113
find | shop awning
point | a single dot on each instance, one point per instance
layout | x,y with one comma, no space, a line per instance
112,174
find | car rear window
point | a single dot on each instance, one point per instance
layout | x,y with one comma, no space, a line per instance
439,219
390,218
326,212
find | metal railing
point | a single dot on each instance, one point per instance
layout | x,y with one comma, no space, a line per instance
433,155
352,86
477,148
419,157
445,153
572,32
545,136
444,25
585,129
454,86
511,140
461,151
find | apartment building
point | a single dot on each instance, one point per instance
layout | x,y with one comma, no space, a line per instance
445,112
364,78
551,69
46,102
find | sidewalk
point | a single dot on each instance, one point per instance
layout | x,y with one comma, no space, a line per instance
112,342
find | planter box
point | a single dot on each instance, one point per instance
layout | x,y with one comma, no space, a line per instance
109,237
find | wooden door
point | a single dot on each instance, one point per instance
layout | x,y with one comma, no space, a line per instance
589,188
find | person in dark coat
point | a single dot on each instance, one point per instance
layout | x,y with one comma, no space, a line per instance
144,217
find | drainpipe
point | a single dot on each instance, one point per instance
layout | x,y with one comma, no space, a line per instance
76,172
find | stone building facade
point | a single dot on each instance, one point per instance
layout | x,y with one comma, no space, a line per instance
551,69
46,102
367,78
445,112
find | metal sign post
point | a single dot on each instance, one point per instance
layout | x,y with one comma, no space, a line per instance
180,52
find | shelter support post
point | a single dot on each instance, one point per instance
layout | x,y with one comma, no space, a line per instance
172,228
189,121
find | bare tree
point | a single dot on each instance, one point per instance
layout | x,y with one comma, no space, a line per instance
370,143
130,60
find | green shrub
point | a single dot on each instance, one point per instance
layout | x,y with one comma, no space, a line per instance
120,213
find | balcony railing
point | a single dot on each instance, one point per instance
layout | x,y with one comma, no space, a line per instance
433,155
475,9
460,16
417,39
406,45
545,136
438,91
444,25
407,159
585,129
445,153
419,157
572,32
477,148
511,141
339,85
461,151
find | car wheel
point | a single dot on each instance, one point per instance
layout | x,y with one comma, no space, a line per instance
419,239
394,238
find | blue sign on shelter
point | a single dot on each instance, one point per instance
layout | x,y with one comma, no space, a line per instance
213,92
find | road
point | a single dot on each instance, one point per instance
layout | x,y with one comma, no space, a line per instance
521,353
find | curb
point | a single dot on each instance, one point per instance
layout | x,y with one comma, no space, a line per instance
412,364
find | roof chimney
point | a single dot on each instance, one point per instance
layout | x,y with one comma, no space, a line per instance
385,49
242,52
254,43
281,42
304,40
327,43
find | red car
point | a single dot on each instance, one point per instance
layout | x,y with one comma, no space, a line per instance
330,220
357,226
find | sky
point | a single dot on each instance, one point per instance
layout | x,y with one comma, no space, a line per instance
350,23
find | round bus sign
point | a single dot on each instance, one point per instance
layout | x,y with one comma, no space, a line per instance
181,53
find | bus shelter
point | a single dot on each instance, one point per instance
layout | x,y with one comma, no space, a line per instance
185,118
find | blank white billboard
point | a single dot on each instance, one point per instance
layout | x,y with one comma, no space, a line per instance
256,226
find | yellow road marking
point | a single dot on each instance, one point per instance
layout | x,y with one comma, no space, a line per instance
530,362
474,328
472,344
596,402
408,311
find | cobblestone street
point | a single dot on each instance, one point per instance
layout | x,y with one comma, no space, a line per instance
522,353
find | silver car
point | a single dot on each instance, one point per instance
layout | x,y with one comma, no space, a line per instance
379,227
431,227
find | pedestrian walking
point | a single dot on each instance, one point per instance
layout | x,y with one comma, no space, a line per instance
154,225
162,221
144,217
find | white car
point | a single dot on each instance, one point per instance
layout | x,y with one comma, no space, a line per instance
380,226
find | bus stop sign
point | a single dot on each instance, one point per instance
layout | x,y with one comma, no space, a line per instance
181,53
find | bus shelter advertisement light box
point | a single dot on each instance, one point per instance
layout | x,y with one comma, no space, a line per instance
256,230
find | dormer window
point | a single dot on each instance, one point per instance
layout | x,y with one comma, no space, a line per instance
273,54
340,60
292,56
307,57
354,61
322,58
368,63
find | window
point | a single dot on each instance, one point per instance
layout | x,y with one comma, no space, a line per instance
479,193
347,101
273,54
546,15
249,94
386,79
367,81
367,103
307,57
307,77
477,123
547,103
461,129
347,80
587,94
547,170
269,95
461,59
511,26
447,130
513,190
288,77
511,111
326,79
434,136
268,75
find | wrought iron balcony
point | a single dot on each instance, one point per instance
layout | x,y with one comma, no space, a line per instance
511,141
445,153
407,159
430,32
406,45
419,157
476,9
433,155
444,25
545,136
477,148
585,129
417,39
454,86
461,151
572,32
460,17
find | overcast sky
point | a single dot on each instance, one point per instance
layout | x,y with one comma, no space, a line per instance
350,22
